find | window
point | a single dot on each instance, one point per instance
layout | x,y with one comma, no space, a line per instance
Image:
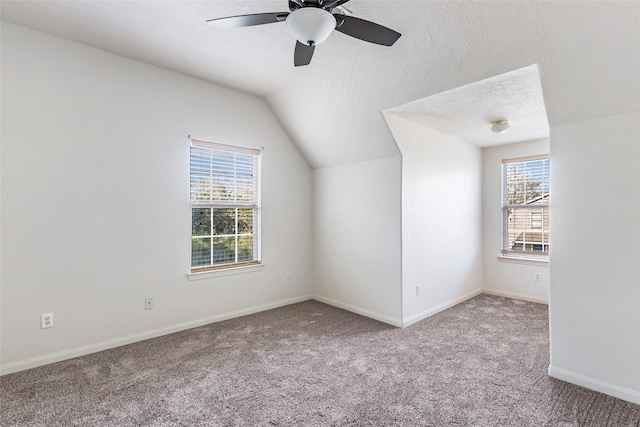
525,206
225,206
536,220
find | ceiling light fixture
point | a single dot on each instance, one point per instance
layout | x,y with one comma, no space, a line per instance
500,126
311,22
311,25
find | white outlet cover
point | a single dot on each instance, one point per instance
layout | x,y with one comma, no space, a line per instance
46,320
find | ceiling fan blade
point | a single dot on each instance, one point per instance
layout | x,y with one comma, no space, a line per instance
330,4
248,20
365,30
303,54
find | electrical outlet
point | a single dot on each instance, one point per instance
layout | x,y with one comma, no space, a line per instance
418,289
46,320
536,277
148,303
287,278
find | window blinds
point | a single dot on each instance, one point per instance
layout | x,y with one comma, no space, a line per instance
525,182
224,176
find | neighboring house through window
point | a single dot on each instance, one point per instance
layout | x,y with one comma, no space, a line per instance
525,205
225,206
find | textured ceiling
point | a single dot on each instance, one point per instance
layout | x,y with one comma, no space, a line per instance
588,55
467,112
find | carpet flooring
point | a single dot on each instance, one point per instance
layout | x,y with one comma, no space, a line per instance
481,363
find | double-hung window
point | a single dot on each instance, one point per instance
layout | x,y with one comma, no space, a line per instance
225,206
525,206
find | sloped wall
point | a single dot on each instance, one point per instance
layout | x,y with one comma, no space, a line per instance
95,200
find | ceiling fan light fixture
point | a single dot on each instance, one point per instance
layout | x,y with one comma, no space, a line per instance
311,25
500,126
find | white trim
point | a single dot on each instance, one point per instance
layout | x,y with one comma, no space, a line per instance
380,317
542,261
437,309
513,295
225,147
527,158
224,272
116,342
623,393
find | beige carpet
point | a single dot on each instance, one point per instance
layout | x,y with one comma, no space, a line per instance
481,363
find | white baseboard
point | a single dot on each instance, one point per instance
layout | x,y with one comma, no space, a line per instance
358,310
512,295
437,309
623,393
104,345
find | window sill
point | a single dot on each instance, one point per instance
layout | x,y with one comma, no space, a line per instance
224,272
520,259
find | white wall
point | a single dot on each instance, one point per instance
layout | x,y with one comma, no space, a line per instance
95,202
441,218
595,279
356,234
501,276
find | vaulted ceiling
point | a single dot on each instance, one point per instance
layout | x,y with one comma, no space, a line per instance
588,56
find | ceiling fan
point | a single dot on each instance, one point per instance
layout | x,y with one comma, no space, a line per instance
311,22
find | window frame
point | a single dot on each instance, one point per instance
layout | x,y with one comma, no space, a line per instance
544,207
212,270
